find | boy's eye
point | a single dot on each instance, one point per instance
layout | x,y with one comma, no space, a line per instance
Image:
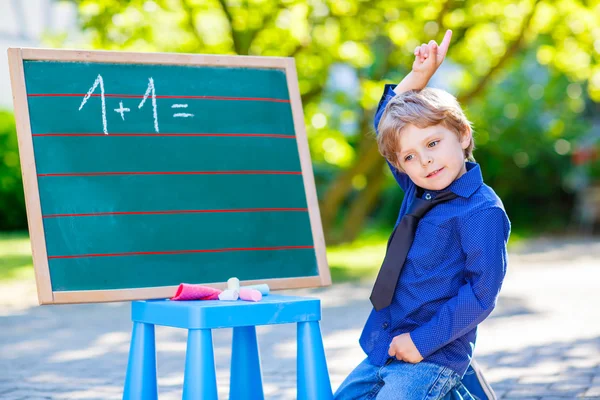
408,158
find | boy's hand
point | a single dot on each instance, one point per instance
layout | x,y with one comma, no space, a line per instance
428,57
403,348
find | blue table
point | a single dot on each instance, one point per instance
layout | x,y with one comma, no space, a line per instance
199,318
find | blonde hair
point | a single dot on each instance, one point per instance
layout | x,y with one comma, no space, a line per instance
421,108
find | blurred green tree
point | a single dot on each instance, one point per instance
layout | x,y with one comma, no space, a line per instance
12,202
527,73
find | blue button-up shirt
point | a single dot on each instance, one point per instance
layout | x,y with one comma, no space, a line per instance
452,274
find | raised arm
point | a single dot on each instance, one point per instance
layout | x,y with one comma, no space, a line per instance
428,58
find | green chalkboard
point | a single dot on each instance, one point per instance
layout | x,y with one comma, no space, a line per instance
143,171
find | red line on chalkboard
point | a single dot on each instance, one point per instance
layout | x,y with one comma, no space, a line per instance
172,212
169,134
141,253
179,173
135,96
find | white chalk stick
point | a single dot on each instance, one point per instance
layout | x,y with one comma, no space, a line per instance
233,283
229,295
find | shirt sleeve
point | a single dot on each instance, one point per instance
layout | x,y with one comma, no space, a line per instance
484,237
388,93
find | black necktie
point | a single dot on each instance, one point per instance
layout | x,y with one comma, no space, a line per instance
398,246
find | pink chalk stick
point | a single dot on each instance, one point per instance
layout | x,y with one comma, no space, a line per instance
188,291
250,294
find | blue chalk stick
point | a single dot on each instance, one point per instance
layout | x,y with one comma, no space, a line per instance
263,288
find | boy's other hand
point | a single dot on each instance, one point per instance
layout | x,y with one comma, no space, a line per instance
428,57
403,348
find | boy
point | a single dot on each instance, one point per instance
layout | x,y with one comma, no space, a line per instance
449,244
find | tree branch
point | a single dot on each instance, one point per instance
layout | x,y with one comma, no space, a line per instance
440,18
191,22
234,37
512,49
368,158
266,21
364,203
313,94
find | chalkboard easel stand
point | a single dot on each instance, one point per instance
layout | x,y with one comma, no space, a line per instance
106,137
200,317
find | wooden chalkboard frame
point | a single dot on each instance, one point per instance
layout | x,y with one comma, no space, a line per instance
16,57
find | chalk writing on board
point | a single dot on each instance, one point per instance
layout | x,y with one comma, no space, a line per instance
98,81
179,115
121,110
150,91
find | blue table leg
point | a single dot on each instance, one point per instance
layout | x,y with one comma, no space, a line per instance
246,377
140,382
200,378
313,377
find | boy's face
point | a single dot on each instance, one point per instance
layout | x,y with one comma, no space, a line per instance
435,148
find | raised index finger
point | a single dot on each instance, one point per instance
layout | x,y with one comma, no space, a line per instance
445,43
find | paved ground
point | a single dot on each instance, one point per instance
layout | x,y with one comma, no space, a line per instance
541,342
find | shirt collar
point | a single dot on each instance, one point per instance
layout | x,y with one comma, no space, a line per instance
468,183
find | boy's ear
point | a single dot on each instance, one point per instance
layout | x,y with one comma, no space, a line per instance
467,136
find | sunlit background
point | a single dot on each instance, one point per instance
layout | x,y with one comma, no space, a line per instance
526,72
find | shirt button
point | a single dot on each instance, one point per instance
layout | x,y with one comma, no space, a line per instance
428,196
385,325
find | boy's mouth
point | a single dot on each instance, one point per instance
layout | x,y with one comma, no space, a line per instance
434,173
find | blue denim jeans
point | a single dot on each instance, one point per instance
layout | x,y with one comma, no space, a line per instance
397,380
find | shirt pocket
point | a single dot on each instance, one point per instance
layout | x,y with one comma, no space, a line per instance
430,246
